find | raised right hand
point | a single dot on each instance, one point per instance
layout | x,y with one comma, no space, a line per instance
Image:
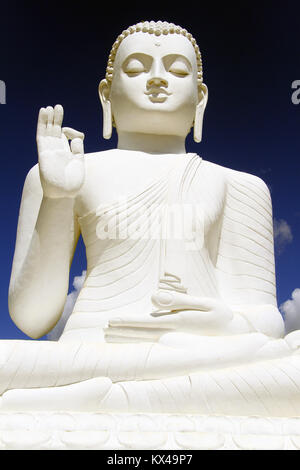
61,165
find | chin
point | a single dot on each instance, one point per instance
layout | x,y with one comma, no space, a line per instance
156,118
158,128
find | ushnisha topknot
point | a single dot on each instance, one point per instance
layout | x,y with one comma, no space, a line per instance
157,28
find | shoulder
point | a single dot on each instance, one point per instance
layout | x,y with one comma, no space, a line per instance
240,179
244,190
252,182
250,195
251,191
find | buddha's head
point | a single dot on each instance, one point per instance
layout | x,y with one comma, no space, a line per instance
154,82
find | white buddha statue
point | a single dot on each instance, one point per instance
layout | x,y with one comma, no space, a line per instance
186,323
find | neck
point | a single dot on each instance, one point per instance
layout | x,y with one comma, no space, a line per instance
151,143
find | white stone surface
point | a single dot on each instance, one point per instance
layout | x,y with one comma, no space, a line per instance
97,431
178,311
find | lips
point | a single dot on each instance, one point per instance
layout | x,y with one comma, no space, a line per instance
157,95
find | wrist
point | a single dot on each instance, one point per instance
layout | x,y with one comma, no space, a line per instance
54,214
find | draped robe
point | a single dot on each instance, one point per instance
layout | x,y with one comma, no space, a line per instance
222,246
227,254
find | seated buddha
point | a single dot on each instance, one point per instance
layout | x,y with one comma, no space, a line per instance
178,310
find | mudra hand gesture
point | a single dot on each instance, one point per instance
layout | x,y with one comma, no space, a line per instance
61,165
175,312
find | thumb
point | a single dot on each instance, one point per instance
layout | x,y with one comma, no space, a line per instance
72,133
77,146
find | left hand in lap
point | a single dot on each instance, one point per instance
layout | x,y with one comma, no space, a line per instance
175,312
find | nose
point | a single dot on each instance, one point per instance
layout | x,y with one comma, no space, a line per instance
157,74
157,81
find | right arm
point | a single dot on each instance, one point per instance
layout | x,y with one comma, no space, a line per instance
47,228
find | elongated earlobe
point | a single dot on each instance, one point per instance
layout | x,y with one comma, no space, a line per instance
199,114
198,124
106,107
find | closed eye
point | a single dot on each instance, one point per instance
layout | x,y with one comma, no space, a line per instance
133,66
181,72
177,65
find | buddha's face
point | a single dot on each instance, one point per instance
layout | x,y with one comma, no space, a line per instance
154,88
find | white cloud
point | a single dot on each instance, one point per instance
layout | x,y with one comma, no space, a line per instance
291,312
55,334
282,234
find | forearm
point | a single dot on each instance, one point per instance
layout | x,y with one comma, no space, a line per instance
39,287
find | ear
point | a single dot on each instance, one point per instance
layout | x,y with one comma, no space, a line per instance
104,90
200,108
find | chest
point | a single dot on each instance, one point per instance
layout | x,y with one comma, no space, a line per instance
116,178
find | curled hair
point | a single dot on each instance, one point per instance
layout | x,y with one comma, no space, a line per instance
156,28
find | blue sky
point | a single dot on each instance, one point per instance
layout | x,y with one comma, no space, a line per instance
56,53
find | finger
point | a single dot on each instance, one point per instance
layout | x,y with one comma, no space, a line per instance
177,301
133,335
167,321
42,122
49,126
72,133
123,339
144,332
77,146
57,120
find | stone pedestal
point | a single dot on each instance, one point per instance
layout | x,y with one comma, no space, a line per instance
93,431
